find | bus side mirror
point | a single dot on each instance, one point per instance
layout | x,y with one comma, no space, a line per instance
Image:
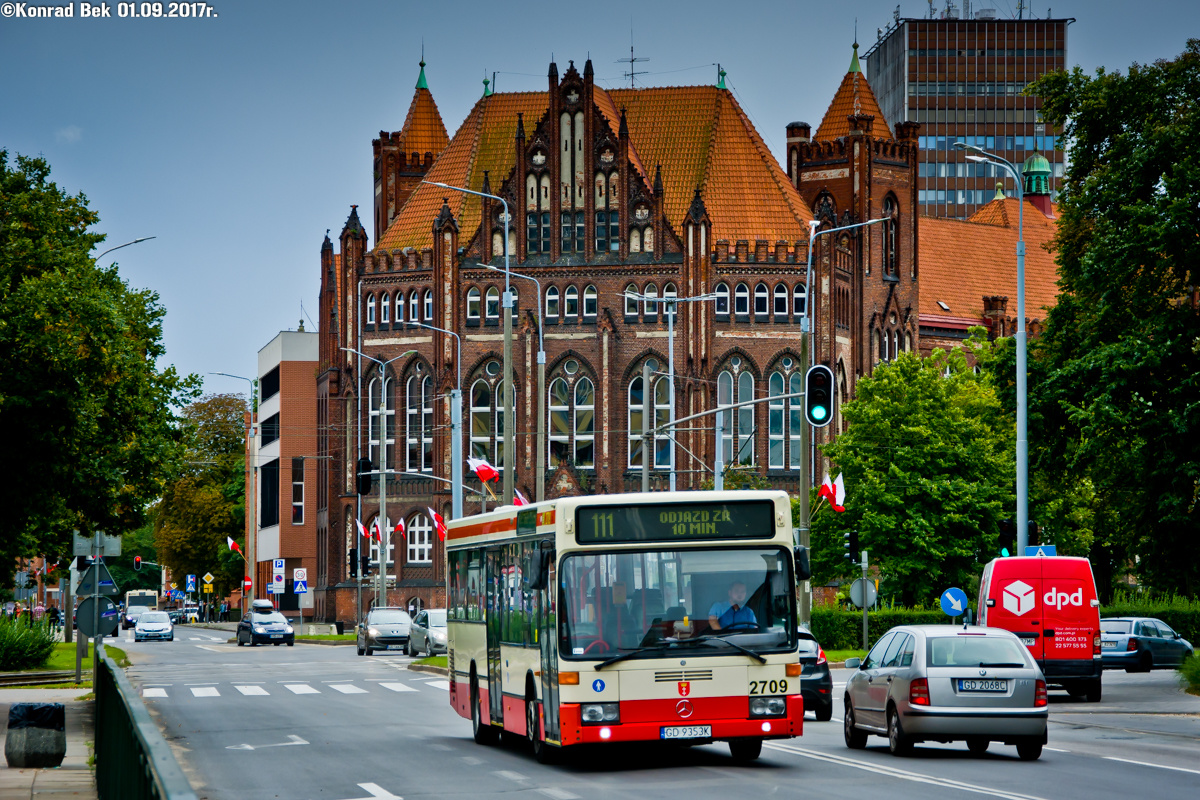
539,568
803,568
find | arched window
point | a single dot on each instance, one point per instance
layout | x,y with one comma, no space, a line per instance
418,407
399,307
419,534
492,303
428,305
741,300
781,301
662,415
891,213
636,409
516,303
795,418
370,309
559,397
722,293
552,303
670,308
482,434
650,312
414,306
745,433
658,413
590,301
571,303
385,307
799,300
473,303
884,340
374,428
775,421
908,341
631,303
635,240
728,422
761,300
895,344
373,553
585,424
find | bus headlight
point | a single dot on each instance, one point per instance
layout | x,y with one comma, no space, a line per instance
600,713
768,706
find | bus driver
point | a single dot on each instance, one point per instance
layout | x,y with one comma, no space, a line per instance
725,614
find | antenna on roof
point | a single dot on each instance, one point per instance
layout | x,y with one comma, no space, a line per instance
632,73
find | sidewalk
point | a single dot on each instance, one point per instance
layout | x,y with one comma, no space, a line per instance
74,779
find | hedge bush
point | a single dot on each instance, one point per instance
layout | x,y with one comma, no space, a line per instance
24,645
840,629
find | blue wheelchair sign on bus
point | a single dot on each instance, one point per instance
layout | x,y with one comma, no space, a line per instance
954,602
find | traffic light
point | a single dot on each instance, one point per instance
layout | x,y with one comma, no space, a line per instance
850,543
353,562
1008,537
818,396
363,482
1033,534
137,562
364,562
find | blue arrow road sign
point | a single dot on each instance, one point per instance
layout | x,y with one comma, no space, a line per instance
954,601
1041,550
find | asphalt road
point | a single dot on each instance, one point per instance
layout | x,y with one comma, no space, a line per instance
320,722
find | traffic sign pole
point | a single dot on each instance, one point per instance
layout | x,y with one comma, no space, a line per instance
866,605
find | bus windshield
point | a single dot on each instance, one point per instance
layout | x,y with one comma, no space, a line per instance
619,603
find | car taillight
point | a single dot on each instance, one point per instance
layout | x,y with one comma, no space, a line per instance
1132,645
1039,697
918,692
820,655
1096,644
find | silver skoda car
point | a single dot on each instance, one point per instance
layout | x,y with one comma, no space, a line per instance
945,683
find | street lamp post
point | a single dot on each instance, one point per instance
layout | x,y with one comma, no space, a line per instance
135,241
806,359
541,362
510,456
251,532
385,538
984,157
669,306
456,439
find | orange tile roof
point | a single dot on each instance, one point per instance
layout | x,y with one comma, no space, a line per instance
963,261
423,130
854,96
698,134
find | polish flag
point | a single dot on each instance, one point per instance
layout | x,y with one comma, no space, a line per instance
377,531
438,522
233,545
399,529
482,469
834,492
362,529
519,499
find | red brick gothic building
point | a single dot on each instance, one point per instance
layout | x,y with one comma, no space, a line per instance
661,192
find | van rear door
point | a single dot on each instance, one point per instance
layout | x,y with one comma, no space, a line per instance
1015,589
1070,619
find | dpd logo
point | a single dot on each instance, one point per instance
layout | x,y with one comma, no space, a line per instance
1019,598
1057,599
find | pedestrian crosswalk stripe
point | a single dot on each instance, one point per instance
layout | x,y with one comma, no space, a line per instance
439,684
301,688
154,692
347,688
251,690
205,691
398,687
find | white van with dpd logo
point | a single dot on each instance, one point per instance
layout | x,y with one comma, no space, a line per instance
1050,602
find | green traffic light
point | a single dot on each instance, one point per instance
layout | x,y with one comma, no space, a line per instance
818,412
1004,552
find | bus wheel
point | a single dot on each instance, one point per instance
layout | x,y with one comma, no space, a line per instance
744,750
483,734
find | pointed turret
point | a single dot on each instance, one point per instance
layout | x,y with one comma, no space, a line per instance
853,98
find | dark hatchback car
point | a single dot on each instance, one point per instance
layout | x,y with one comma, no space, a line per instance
1140,644
385,628
265,627
816,684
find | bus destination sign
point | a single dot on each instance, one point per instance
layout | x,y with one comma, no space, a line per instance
674,522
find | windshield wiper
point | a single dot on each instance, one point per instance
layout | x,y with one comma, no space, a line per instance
635,651
734,645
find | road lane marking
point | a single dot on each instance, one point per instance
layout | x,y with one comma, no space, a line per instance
472,760
439,684
347,688
1148,764
205,691
293,740
301,688
512,776
1054,749
210,648
251,690
558,794
397,687
154,692
894,772
376,791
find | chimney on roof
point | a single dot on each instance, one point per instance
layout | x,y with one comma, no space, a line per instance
799,132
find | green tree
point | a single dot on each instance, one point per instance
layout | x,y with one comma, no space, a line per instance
1116,400
137,542
927,459
205,502
89,436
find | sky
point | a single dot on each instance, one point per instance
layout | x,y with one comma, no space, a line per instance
239,138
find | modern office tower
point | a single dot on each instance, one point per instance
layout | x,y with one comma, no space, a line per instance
961,76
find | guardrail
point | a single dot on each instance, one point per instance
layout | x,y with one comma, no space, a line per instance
133,761
36,678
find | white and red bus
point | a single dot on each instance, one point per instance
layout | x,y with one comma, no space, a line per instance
635,617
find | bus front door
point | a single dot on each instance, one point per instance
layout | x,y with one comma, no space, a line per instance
495,601
548,633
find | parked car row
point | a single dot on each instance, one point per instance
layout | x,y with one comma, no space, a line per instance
1140,644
